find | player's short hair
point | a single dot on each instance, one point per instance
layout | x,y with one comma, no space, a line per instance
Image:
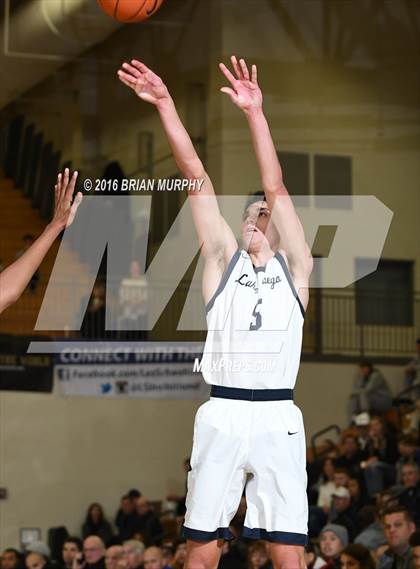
257,196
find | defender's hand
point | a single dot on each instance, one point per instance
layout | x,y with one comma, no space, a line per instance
65,208
146,84
245,92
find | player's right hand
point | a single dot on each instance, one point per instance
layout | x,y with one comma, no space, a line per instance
65,206
146,84
244,92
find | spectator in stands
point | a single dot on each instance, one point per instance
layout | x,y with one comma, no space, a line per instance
381,450
359,498
238,519
35,561
11,559
398,527
113,557
71,547
93,325
133,494
234,555
96,523
180,554
327,485
168,552
356,556
94,554
414,420
415,548
341,477
351,454
370,392
28,240
133,296
258,556
412,372
409,452
318,515
362,425
332,540
342,511
180,500
125,519
372,535
312,560
410,497
38,555
40,548
387,499
133,552
153,558
147,523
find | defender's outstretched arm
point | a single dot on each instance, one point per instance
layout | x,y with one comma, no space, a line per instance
15,278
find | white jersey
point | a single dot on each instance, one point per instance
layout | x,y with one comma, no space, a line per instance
254,323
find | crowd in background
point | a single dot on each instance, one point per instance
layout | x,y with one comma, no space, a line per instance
363,494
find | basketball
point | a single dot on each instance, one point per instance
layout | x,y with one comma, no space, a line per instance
130,11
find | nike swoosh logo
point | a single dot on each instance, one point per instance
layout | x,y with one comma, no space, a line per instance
289,433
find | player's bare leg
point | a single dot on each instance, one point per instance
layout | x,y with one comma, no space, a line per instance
203,555
287,556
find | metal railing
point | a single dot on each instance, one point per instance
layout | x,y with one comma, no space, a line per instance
317,452
331,328
334,327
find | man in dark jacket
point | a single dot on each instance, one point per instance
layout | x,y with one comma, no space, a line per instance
410,498
147,523
125,519
399,527
343,512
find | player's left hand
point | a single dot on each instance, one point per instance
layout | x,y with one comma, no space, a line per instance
245,92
65,207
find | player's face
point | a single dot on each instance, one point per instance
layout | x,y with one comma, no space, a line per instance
256,227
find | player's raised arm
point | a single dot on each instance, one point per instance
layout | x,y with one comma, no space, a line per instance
246,94
15,278
215,237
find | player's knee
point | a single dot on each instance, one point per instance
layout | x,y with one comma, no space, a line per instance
287,557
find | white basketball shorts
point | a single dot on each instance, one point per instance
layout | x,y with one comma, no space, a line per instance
259,441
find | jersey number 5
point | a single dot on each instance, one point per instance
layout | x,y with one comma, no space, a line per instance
256,325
